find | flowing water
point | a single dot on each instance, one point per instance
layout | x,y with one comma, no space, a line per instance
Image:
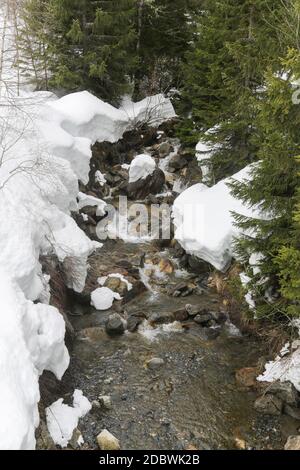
192,400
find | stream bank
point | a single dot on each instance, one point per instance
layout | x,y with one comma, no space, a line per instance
171,381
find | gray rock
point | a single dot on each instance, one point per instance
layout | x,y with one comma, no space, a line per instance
203,319
177,162
153,184
194,310
269,405
285,391
115,325
76,440
181,315
155,363
164,149
105,401
183,289
133,323
161,318
291,411
209,334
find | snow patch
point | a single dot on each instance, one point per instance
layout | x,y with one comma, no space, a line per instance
141,167
103,298
62,419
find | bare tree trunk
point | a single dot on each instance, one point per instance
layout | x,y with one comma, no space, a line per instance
3,39
16,40
140,24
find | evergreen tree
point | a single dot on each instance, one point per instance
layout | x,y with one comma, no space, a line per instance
89,44
165,31
275,181
33,39
224,75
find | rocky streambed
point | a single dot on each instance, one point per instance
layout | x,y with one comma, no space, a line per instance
165,368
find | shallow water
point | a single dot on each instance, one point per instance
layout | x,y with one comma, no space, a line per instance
192,400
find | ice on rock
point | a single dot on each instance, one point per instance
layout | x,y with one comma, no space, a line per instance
142,166
204,220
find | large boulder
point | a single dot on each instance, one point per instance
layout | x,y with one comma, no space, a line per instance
152,184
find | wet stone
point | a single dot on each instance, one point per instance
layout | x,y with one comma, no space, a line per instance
209,334
181,315
246,377
161,318
285,391
155,363
269,405
202,319
105,401
133,323
115,325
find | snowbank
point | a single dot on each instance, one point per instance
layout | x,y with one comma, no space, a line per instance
45,148
204,222
153,110
38,189
62,420
286,366
141,167
84,115
31,340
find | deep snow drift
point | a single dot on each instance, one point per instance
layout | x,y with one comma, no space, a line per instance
45,148
204,221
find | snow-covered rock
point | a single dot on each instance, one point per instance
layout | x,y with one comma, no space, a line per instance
85,201
142,166
63,419
103,298
100,178
204,221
